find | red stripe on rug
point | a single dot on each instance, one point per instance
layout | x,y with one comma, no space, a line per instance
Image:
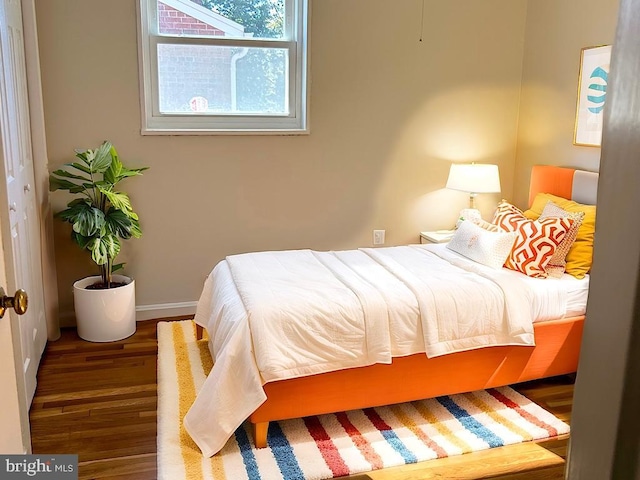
359,441
376,420
327,448
522,412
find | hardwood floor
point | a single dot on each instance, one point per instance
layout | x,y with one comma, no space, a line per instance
99,401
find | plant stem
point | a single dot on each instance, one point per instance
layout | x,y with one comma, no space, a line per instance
95,190
103,273
109,267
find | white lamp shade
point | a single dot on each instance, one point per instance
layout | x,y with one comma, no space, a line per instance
474,178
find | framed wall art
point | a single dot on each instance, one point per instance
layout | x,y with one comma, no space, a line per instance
592,94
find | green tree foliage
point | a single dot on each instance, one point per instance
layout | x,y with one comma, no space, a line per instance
263,18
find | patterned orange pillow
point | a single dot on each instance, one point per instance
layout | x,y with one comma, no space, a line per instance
536,240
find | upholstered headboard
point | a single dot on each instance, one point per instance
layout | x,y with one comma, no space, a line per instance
578,185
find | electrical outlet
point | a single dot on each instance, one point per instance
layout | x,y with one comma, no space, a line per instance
378,237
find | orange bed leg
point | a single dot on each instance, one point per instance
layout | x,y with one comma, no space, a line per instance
199,332
260,434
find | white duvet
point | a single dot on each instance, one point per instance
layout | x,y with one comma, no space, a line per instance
278,315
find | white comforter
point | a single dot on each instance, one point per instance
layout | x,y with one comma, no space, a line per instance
279,315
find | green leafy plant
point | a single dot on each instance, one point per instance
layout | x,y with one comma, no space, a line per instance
102,216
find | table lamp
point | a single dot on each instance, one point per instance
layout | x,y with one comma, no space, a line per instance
474,178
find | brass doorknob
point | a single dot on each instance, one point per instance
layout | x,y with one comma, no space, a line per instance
19,302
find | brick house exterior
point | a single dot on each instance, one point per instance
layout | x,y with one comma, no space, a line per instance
190,73
176,22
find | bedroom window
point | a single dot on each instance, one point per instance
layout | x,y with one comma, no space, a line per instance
223,66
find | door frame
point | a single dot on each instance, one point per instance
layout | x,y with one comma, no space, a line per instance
40,168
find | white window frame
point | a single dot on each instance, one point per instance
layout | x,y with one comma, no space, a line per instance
295,40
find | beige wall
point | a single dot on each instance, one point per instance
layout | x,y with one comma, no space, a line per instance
556,32
388,114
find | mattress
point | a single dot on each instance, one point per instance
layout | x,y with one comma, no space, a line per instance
571,291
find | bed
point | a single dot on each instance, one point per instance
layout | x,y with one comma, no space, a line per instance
238,388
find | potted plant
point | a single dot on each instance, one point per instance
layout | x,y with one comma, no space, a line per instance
101,217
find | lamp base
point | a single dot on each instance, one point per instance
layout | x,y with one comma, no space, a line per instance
472,200
471,214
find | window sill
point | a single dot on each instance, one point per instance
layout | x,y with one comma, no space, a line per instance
199,132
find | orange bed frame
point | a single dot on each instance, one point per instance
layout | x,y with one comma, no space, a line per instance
417,377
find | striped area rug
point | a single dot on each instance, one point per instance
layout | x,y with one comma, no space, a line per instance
335,445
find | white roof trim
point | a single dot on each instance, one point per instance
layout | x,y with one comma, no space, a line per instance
207,16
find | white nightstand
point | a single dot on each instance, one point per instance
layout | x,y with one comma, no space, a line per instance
439,236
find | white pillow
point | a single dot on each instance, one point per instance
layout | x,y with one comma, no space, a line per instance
482,246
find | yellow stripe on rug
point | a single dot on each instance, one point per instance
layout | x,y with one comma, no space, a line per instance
441,428
186,364
187,393
495,415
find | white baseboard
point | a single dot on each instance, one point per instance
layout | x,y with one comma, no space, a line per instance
165,310
144,312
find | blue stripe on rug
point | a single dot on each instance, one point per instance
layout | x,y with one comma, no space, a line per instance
390,436
249,459
470,423
283,453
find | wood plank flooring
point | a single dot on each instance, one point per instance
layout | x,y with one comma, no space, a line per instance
100,400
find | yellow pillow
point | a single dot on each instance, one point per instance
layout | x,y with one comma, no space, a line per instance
580,254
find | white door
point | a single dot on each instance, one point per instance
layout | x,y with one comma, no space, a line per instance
14,416
18,205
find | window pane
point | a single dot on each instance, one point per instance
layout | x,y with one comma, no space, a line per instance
222,80
229,18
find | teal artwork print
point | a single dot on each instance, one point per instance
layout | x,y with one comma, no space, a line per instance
597,90
592,94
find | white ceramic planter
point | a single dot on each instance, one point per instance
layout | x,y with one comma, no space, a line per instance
105,315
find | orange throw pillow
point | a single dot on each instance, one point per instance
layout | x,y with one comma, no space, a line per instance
536,241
